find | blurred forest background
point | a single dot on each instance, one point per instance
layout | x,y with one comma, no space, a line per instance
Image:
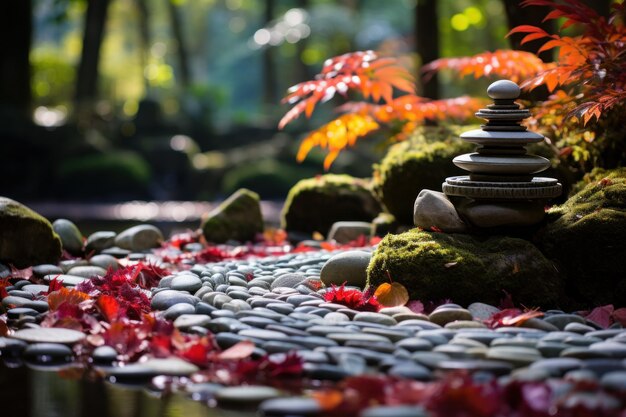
112,100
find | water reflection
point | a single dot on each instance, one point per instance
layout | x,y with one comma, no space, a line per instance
27,392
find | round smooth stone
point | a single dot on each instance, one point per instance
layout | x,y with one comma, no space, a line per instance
411,371
539,324
46,269
322,330
391,334
16,313
349,267
167,298
583,353
39,305
187,321
291,280
170,366
290,331
498,368
612,349
415,344
482,311
186,282
296,300
362,337
377,318
139,238
614,381
290,407
99,241
276,346
556,367
87,271
248,395
503,90
464,324
116,252
602,366
49,335
562,320
394,411
324,371
263,334
177,310
48,353
35,289
66,280
133,373
578,328
518,356
443,316
104,355
71,238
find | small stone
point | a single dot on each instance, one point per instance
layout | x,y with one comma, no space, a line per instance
247,395
104,261
476,365
104,355
503,90
349,267
49,335
556,367
17,313
612,349
614,381
116,252
263,334
442,316
99,241
66,280
87,271
48,353
186,282
562,320
186,321
394,411
377,318
171,366
324,371
465,324
290,407
46,269
139,238
361,337
71,238
482,311
167,298
433,209
289,280
347,231
177,310
411,371
518,356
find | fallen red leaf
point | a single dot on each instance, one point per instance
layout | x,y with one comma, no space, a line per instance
239,351
64,295
109,307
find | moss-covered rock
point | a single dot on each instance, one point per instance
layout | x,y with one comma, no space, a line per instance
421,162
26,238
596,175
585,236
314,204
439,266
237,218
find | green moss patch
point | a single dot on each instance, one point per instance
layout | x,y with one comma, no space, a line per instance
26,238
421,162
586,237
314,204
439,266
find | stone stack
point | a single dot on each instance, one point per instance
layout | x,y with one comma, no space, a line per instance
500,189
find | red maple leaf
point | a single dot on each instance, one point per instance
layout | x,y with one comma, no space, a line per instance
352,298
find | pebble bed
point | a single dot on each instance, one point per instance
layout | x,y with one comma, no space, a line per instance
274,302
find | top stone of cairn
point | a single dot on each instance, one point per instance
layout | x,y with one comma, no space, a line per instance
503,90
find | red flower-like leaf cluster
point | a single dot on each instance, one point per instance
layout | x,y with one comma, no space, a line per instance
352,298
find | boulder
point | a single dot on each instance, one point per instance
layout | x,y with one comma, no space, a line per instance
26,238
314,204
585,237
433,209
466,269
423,161
237,218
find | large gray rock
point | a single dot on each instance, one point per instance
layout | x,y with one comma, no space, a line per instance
348,231
433,209
26,238
349,267
71,238
139,238
237,218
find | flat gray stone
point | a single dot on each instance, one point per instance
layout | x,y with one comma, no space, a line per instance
377,318
246,395
442,316
49,335
167,298
139,238
347,231
87,271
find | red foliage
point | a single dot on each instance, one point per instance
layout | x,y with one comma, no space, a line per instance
511,317
459,396
605,316
4,283
66,296
352,298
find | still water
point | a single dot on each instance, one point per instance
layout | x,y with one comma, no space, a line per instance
27,392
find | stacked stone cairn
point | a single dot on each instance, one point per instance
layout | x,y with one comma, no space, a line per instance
500,190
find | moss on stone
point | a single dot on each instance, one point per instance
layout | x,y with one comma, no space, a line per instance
238,218
585,236
421,162
26,238
314,204
596,175
439,266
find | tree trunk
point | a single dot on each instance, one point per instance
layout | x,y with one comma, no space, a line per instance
427,42
87,76
269,71
144,39
517,15
177,33
15,93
